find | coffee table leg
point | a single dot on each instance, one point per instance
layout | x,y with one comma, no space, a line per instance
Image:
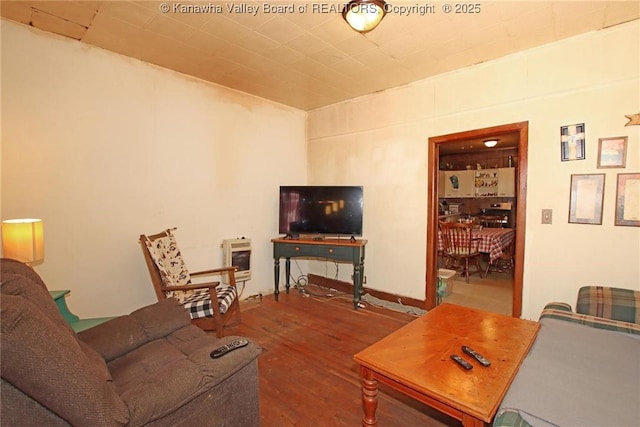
369,398
469,421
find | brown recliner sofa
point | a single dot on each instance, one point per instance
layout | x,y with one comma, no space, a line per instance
151,367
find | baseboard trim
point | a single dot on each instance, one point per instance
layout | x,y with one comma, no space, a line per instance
347,287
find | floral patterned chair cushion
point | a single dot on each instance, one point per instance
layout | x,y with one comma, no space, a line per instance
168,259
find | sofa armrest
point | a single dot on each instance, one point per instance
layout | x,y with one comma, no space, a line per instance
592,321
610,303
561,306
510,418
123,334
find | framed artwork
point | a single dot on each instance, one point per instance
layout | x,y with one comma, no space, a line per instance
628,199
612,152
586,198
572,142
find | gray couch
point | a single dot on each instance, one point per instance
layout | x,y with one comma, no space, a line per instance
583,368
151,367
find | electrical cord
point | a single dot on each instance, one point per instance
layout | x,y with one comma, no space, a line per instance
244,285
302,284
328,293
302,281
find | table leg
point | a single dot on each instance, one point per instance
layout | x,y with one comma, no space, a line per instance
489,262
469,421
60,298
356,285
369,398
287,270
361,287
276,277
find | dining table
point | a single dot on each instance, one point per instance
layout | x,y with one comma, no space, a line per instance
492,241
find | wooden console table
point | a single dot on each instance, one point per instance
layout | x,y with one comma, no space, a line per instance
335,249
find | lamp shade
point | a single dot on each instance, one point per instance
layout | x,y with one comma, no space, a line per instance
23,239
364,15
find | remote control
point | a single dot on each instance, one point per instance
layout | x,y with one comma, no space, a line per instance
471,352
460,361
221,351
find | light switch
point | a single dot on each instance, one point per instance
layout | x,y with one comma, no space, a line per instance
546,216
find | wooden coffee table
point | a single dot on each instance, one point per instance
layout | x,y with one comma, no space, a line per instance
415,361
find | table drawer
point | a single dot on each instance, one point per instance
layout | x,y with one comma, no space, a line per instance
293,250
334,252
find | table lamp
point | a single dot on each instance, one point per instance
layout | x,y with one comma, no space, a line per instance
23,240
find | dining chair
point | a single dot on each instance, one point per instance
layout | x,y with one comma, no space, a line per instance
505,262
171,279
460,247
491,221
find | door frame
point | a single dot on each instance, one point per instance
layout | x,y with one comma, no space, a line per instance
522,128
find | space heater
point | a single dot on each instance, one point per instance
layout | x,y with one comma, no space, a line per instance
237,253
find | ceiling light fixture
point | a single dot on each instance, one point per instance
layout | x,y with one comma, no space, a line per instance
364,15
490,142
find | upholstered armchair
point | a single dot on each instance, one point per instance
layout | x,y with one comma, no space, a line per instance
152,367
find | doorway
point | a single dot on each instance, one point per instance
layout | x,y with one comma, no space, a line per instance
435,144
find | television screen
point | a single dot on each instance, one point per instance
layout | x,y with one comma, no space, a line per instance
335,210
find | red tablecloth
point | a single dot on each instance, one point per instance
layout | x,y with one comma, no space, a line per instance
493,240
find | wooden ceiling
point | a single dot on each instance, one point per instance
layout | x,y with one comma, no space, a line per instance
303,54
505,141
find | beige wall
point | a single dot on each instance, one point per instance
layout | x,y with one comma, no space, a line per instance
104,148
380,141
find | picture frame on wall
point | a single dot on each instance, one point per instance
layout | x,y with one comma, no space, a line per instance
628,199
586,198
612,152
572,142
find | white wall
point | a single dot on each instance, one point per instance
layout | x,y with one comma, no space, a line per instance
380,141
104,148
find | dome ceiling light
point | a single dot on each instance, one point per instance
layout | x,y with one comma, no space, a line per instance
490,143
364,15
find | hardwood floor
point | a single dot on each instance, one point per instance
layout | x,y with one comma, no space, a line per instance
307,373
491,293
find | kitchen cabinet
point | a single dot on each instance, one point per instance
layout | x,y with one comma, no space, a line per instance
486,183
507,182
498,182
495,182
458,184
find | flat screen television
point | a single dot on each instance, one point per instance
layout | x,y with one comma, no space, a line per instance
323,210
